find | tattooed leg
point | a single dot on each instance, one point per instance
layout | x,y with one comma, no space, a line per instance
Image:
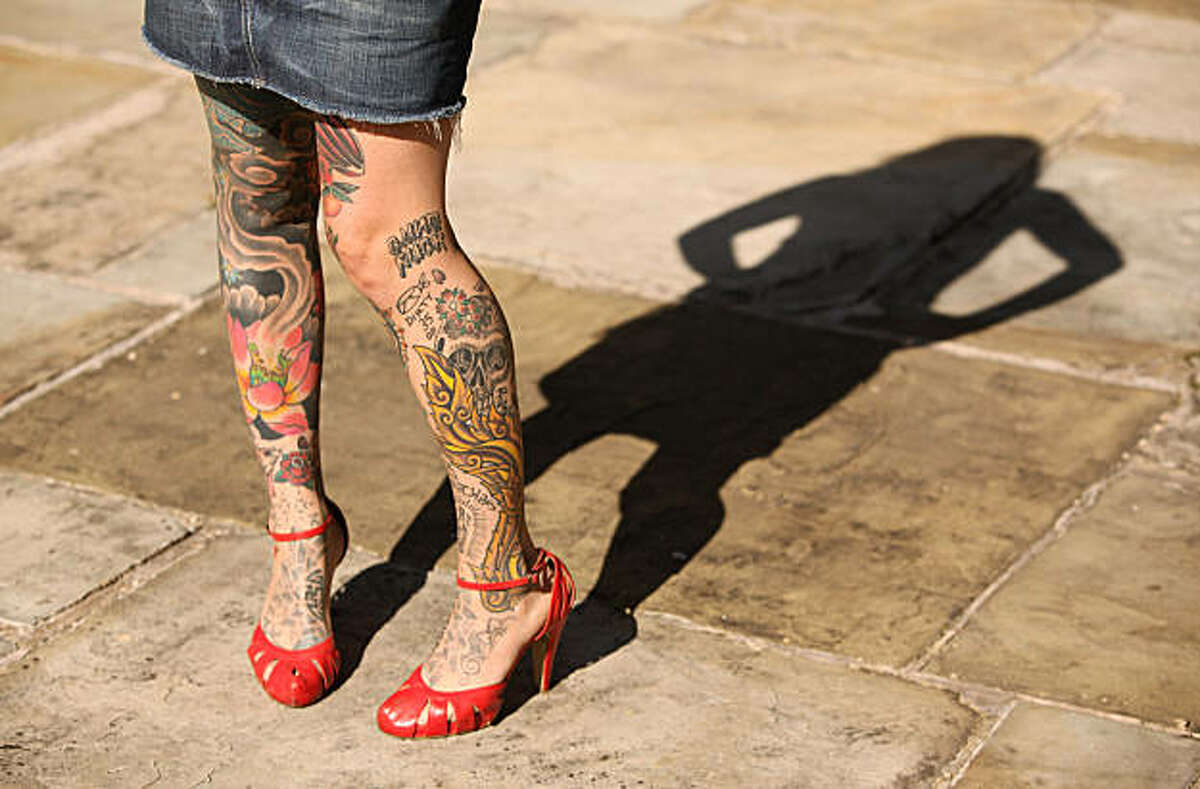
397,246
265,174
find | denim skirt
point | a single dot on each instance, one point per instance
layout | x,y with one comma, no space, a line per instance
382,61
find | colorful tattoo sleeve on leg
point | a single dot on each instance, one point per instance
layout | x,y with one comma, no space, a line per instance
266,188
265,173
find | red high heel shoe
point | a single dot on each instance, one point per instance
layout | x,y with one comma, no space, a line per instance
461,711
298,677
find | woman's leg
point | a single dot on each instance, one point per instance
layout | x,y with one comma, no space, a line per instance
265,172
383,191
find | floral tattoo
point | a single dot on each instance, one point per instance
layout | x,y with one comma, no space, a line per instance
464,314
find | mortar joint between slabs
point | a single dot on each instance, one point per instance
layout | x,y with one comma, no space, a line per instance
102,357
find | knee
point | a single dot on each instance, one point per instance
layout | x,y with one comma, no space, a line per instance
377,258
362,253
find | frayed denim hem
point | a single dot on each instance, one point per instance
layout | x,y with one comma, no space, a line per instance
432,120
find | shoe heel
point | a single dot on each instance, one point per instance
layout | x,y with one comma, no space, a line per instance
542,658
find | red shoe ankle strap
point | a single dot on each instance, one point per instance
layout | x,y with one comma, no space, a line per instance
533,578
301,535
495,586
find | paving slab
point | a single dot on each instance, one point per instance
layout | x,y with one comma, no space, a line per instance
684,458
40,92
52,324
1049,748
96,28
54,527
177,264
1168,8
1106,617
184,383
599,187
1103,246
103,200
1150,66
1153,32
1003,40
898,502
503,33
1174,443
1102,357
34,302
157,687
889,486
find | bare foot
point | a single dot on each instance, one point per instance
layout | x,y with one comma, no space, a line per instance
479,647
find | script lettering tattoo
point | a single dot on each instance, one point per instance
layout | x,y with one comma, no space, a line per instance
415,304
476,513
407,302
418,240
314,594
465,518
471,495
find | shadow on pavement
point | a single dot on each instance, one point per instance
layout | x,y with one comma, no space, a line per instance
718,379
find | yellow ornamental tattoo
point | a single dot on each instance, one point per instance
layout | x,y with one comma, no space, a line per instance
482,443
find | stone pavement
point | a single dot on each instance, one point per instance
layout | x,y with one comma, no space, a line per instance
875,326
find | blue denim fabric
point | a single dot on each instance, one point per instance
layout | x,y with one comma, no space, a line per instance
386,61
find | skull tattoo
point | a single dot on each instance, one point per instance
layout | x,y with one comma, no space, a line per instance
485,368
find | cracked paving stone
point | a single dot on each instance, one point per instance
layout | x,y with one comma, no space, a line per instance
65,542
157,684
1107,616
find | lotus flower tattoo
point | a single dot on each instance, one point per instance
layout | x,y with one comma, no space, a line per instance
274,387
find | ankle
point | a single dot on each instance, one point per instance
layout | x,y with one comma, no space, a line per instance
504,603
290,517
502,573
